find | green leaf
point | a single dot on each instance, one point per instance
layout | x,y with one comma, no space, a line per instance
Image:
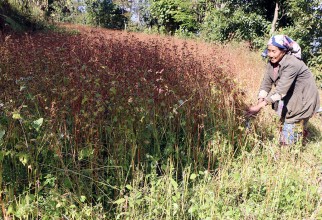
84,100
84,153
16,115
67,183
1,155
113,90
119,201
23,158
2,133
192,209
37,123
193,176
22,88
10,210
129,187
174,183
82,198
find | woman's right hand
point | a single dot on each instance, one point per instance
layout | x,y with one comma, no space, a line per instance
253,110
260,100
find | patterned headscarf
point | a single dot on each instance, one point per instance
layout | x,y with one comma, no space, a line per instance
286,43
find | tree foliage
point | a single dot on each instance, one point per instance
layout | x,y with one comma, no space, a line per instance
306,25
105,13
175,14
226,24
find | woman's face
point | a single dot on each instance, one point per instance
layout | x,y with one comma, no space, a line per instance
275,54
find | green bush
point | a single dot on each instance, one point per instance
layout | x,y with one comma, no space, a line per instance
315,64
224,25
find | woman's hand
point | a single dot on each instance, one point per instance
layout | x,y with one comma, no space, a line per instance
260,100
253,110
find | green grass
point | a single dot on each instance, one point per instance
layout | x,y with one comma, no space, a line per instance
256,184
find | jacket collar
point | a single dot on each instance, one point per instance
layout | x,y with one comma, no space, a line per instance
282,61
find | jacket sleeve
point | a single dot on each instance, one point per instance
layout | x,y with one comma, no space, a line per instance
266,85
288,75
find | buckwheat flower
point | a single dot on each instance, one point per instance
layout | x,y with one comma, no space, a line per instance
130,100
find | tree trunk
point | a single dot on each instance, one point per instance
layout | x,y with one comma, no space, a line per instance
274,19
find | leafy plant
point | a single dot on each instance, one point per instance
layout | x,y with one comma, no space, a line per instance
106,14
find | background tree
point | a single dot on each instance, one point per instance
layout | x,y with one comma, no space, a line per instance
234,21
305,25
174,15
106,14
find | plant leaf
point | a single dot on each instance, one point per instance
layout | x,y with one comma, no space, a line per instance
193,176
16,115
119,201
37,123
2,133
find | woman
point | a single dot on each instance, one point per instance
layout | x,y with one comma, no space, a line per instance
295,96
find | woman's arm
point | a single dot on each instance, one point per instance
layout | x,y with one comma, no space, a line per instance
265,88
289,71
266,84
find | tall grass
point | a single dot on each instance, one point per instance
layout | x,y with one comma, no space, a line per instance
104,124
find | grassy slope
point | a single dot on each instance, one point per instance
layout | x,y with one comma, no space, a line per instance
256,180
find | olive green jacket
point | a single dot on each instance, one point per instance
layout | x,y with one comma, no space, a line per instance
294,85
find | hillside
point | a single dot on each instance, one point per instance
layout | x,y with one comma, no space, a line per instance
100,124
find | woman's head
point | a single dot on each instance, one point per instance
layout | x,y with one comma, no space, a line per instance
275,54
279,45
